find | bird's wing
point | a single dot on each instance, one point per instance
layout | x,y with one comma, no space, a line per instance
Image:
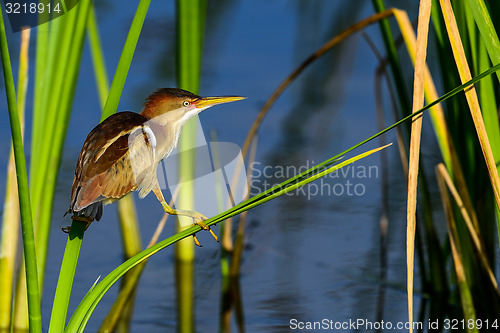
104,169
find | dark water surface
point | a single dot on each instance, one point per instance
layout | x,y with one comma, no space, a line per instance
309,257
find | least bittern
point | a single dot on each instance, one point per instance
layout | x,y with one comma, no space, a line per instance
122,153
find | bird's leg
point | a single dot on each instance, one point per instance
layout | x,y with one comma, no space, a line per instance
197,217
86,219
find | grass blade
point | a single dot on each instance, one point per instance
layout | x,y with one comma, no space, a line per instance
448,152
10,221
66,278
470,94
486,29
463,285
82,314
392,54
22,183
97,57
476,239
125,60
416,129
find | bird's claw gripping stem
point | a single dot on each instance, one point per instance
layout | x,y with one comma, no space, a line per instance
198,218
204,227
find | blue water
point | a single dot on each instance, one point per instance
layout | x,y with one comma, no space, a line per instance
308,257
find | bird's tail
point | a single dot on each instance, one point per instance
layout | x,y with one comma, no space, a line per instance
93,210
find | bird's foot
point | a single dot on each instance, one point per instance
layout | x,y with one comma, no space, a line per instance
86,219
198,219
204,227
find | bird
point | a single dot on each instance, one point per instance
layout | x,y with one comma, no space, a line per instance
122,154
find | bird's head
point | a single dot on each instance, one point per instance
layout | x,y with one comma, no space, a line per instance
177,106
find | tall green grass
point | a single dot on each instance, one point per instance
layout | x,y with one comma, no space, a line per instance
11,215
33,295
467,166
57,68
59,50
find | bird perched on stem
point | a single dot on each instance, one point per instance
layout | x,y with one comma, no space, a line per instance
122,153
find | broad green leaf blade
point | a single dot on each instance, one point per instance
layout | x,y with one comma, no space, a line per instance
66,277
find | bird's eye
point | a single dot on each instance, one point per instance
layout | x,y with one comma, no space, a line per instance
186,103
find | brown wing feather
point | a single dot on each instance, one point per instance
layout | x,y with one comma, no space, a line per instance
102,170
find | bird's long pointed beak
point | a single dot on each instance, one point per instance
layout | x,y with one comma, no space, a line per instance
205,102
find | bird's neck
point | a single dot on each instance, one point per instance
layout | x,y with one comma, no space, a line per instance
167,127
